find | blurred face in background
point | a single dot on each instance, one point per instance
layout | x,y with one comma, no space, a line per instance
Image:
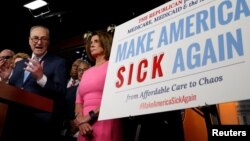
81,68
17,60
39,40
5,58
18,57
74,67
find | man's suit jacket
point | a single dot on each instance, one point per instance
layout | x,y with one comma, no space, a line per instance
30,124
55,70
70,102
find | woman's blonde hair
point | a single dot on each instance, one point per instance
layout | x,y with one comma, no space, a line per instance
19,55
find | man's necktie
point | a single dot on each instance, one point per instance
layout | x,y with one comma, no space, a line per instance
26,74
73,82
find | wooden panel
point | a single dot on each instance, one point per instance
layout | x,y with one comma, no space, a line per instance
3,112
12,94
194,126
228,113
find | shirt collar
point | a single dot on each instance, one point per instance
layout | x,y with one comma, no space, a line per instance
39,58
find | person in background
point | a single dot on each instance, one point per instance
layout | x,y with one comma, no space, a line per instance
18,57
6,64
90,93
73,81
70,98
43,74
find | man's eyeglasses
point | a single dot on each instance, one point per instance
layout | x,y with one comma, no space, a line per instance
82,70
36,39
5,57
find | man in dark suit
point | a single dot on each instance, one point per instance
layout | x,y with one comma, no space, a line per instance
70,128
44,74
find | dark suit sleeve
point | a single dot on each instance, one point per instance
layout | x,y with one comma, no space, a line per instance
55,71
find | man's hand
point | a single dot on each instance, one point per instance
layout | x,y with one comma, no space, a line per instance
35,68
85,129
5,70
4,74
